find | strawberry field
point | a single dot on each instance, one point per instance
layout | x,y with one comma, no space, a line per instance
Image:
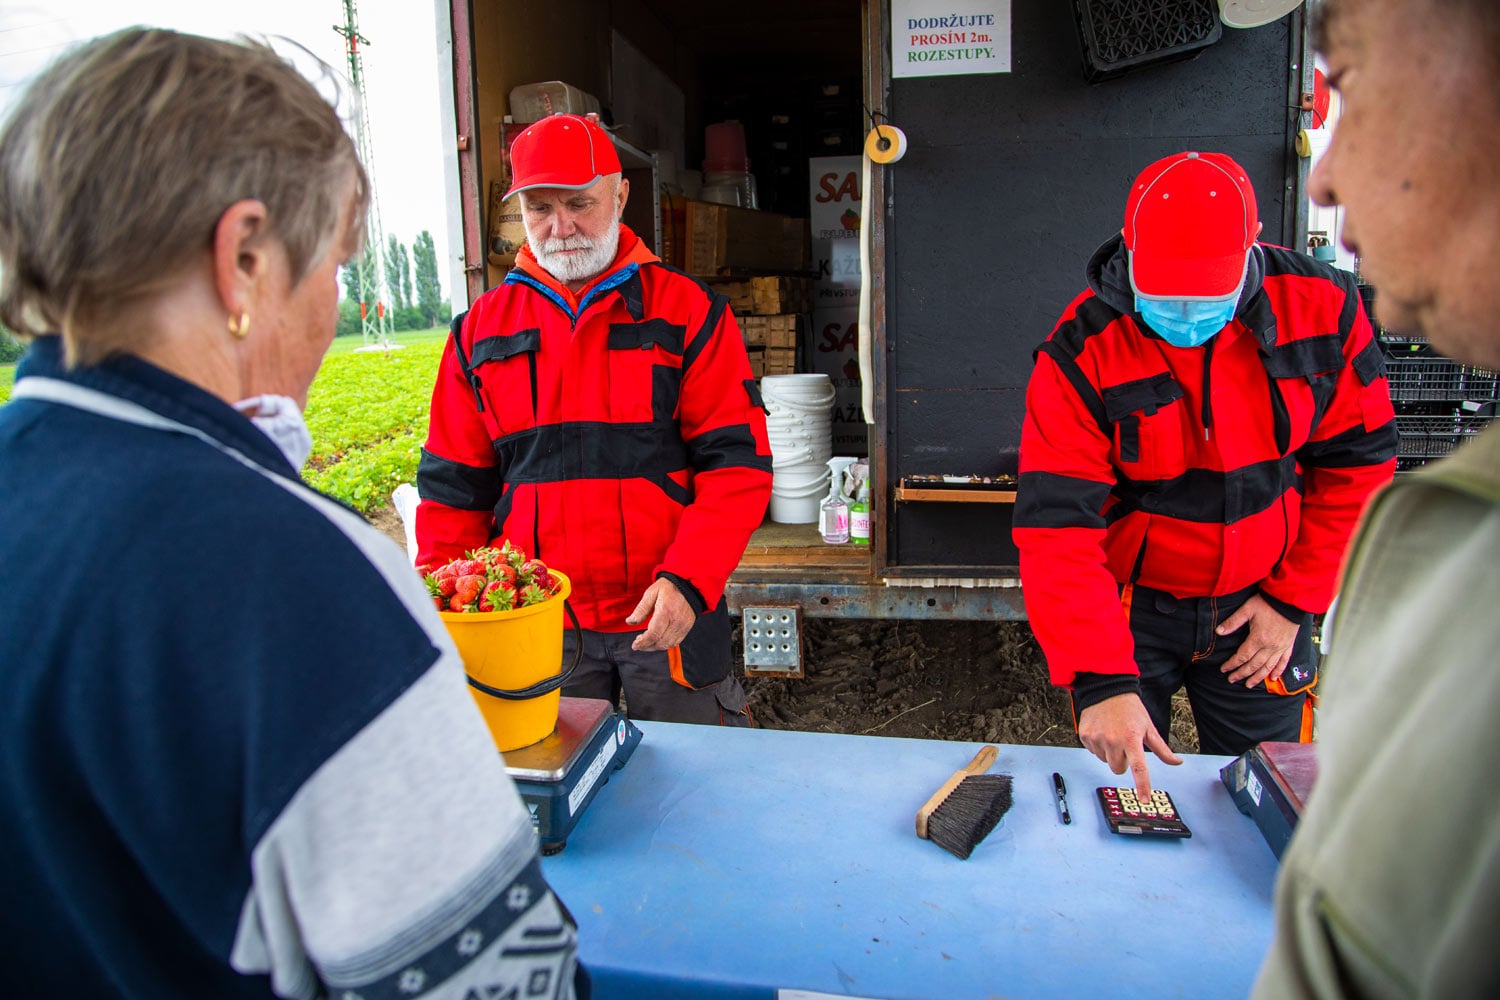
367,411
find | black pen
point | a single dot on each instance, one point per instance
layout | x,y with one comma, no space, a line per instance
1062,797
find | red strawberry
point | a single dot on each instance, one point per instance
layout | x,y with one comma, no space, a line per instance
468,587
442,605
505,573
540,575
531,594
454,604
497,597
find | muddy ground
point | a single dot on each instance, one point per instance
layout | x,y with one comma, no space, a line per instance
982,682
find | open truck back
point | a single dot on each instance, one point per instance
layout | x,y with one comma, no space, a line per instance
978,235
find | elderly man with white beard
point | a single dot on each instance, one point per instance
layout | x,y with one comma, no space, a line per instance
597,409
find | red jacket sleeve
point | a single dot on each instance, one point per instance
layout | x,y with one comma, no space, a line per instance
1072,599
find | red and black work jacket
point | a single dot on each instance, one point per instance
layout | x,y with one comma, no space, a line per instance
615,434
1198,471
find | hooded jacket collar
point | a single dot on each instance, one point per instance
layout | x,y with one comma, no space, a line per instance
631,251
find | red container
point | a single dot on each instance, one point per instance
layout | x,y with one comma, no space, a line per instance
724,145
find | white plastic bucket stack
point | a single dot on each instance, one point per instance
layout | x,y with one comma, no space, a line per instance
799,422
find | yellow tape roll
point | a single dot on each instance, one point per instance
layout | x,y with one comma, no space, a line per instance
885,144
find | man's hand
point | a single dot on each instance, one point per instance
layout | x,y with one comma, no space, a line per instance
671,617
1118,731
1266,650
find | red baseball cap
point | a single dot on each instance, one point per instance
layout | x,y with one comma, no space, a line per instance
1189,222
563,151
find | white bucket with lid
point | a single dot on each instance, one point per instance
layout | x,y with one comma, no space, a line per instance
799,424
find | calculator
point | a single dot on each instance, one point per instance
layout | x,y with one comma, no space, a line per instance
1127,814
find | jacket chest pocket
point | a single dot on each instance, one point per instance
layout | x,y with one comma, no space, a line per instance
505,366
1306,373
645,370
1147,418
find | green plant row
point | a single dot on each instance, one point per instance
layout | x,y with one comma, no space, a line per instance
368,414
361,398
365,477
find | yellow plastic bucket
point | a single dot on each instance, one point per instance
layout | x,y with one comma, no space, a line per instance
514,663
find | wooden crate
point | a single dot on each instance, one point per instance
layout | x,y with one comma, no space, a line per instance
778,293
739,292
723,238
757,356
781,360
781,331
755,330
770,331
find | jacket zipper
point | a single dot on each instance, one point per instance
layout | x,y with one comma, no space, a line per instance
1208,413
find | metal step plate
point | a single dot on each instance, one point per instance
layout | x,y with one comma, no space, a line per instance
772,641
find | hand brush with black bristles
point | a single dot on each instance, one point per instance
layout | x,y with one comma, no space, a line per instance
966,808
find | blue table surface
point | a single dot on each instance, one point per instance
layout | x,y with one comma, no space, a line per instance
739,863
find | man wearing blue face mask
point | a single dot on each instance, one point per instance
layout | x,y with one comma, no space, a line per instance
1202,430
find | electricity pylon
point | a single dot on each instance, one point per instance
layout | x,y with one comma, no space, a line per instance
374,302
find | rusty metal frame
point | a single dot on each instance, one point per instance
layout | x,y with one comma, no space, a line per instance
470,169
946,602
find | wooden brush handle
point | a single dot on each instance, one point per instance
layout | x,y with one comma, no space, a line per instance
981,763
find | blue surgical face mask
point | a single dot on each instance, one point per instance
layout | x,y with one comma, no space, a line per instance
1187,322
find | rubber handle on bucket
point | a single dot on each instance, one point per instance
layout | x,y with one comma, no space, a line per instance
540,687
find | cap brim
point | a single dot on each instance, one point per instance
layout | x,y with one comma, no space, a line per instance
564,183
1186,278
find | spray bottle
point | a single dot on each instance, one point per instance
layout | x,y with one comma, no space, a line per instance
859,513
833,515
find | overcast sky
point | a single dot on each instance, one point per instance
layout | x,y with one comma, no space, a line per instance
400,67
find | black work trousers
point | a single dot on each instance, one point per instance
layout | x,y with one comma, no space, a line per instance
1176,647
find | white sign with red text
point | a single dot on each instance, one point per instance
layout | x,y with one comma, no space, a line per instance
834,220
949,39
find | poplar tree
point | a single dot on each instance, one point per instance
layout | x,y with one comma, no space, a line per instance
429,292
398,272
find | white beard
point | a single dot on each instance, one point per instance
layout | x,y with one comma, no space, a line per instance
589,260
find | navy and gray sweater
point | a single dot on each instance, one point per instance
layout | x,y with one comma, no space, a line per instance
237,753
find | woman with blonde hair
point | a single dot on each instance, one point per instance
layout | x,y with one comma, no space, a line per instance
239,754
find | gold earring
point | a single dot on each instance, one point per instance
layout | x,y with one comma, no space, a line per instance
239,325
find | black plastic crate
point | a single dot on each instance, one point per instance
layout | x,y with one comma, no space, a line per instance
1420,439
1122,35
1394,341
1427,379
1424,379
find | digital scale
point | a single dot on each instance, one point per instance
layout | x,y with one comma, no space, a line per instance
1270,783
560,775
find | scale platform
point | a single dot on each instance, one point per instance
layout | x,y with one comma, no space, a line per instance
560,775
